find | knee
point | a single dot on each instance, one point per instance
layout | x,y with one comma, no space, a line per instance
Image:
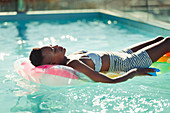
159,38
167,38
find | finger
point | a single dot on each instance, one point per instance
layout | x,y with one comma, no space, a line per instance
144,74
149,70
156,69
149,74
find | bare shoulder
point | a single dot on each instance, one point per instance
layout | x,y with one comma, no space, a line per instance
73,62
82,67
76,64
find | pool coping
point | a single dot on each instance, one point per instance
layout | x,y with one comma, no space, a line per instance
150,21
115,14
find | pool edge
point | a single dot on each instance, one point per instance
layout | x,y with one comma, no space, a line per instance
158,26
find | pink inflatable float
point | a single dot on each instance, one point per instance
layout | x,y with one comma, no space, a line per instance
53,75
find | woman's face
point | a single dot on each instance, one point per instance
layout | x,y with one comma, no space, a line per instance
53,54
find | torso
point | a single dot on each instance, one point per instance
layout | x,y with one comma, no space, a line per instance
84,58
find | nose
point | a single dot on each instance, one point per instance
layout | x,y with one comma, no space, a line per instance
56,46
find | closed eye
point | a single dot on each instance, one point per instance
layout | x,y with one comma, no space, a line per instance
52,49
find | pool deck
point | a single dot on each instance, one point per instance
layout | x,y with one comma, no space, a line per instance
148,24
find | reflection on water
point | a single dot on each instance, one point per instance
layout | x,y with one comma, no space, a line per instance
22,38
22,28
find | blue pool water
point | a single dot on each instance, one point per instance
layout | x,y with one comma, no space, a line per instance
17,38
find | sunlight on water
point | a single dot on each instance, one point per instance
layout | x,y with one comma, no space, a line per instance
17,38
98,98
2,55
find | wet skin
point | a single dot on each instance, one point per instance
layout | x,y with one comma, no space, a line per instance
53,54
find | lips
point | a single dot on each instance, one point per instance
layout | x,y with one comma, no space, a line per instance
60,48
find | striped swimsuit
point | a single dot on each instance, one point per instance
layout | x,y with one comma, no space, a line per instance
127,60
124,60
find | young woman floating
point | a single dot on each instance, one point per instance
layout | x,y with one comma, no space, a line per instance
134,60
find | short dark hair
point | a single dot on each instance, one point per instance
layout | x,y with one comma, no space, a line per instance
36,57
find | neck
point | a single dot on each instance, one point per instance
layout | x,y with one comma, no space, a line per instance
65,60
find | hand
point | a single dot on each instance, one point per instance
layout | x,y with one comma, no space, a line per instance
143,71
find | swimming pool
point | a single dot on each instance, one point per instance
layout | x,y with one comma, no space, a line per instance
88,31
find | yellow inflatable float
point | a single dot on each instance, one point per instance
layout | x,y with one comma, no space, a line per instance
168,54
113,74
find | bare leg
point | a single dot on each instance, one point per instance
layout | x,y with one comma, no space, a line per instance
146,43
158,49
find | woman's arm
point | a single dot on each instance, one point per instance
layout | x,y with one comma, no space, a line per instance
134,72
99,77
